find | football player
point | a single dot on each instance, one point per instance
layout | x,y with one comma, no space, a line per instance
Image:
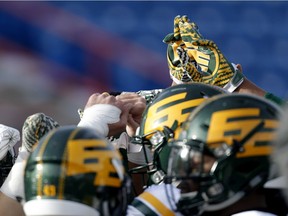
220,160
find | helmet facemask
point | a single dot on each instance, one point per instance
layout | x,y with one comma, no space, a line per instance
189,170
153,143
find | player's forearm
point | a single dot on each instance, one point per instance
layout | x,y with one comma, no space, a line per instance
249,87
10,207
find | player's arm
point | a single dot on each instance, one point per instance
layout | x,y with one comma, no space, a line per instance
247,86
9,206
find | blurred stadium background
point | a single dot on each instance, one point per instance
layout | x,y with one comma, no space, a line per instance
53,55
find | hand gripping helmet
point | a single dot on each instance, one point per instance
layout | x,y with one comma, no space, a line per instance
161,121
222,152
73,171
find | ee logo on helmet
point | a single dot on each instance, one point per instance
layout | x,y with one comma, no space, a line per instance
169,110
235,124
95,157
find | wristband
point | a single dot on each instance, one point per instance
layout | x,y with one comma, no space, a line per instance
275,99
235,81
99,116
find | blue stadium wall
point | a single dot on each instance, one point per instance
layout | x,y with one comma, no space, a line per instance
54,52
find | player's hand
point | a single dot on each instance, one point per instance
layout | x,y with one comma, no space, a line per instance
34,128
138,104
9,136
106,114
125,107
199,55
100,98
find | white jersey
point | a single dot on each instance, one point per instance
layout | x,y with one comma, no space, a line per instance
154,201
253,213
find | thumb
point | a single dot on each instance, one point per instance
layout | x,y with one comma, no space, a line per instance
131,126
169,38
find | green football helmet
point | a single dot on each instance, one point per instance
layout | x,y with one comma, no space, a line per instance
222,152
161,121
74,171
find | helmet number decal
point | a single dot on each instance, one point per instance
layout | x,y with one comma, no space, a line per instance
49,190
